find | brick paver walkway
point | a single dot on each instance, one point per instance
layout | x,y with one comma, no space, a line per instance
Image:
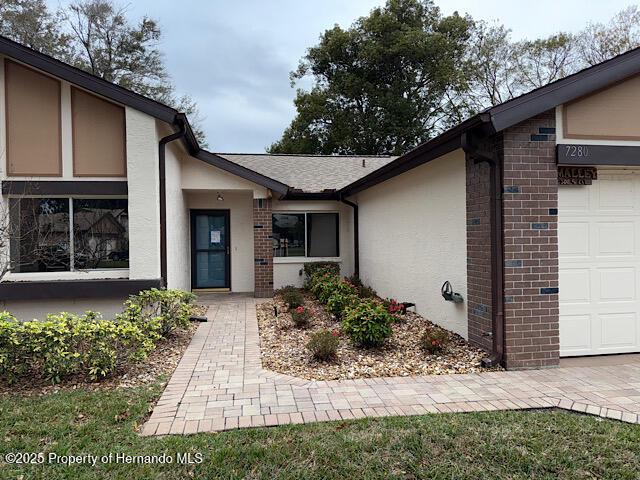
220,385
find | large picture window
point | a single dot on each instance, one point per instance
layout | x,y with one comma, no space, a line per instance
65,234
306,235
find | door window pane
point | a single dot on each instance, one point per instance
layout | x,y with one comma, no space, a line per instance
288,235
100,233
322,235
39,234
210,232
211,269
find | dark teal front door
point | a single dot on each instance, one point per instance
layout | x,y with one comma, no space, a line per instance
210,259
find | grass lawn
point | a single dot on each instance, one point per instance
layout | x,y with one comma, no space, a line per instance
513,445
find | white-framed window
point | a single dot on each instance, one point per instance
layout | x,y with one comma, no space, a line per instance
306,234
58,234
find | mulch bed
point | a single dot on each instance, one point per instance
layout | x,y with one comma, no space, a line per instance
161,362
283,348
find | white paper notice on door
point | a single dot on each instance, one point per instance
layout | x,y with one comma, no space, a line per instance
215,236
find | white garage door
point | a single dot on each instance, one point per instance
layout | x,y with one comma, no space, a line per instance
599,247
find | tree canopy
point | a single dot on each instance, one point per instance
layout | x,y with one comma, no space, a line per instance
404,73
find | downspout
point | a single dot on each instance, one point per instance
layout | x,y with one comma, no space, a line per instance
497,246
356,236
163,194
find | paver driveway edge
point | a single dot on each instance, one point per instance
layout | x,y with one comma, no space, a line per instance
220,384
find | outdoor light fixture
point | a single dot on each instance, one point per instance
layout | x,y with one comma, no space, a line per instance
220,197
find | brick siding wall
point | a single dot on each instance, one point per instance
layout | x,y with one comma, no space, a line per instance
530,206
478,254
262,248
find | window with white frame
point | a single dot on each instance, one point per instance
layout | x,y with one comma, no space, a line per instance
306,234
66,234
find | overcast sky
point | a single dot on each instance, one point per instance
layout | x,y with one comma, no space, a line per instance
234,56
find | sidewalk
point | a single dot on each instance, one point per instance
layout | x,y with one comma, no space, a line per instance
221,385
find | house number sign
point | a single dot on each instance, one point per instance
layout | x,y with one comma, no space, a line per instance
577,175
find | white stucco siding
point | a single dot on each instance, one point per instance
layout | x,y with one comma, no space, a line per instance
286,271
198,175
39,309
240,206
144,196
413,238
178,223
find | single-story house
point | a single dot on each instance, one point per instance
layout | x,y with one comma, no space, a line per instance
529,209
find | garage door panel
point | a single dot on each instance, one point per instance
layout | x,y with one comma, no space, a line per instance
573,239
576,329
599,260
576,285
618,329
616,195
615,239
617,284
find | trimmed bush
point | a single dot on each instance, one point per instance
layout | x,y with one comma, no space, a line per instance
312,269
65,344
171,308
340,301
434,340
293,298
300,317
286,289
368,324
323,345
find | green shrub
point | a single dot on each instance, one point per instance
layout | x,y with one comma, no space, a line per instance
293,298
340,301
66,344
368,324
171,308
434,340
286,289
323,345
364,291
312,269
300,317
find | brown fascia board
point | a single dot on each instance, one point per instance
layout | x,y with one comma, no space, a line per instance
505,115
240,171
566,89
438,146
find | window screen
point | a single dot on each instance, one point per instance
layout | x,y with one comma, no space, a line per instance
322,235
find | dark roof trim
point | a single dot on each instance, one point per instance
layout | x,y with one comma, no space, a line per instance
239,170
62,289
86,80
505,115
566,89
64,187
441,145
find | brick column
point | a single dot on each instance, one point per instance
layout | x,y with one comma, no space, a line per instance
262,248
530,206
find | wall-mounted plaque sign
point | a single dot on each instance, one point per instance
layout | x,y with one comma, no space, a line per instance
577,175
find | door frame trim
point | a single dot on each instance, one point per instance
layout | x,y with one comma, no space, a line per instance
192,223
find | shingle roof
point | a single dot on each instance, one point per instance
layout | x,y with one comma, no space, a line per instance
310,173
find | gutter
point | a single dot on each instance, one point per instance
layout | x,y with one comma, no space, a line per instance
180,120
356,236
497,245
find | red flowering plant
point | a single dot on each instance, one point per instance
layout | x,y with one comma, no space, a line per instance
300,316
434,340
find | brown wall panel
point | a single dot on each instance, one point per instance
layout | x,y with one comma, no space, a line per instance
611,114
99,148
33,122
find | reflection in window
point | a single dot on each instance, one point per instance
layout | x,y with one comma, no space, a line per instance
100,234
39,234
322,235
288,235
